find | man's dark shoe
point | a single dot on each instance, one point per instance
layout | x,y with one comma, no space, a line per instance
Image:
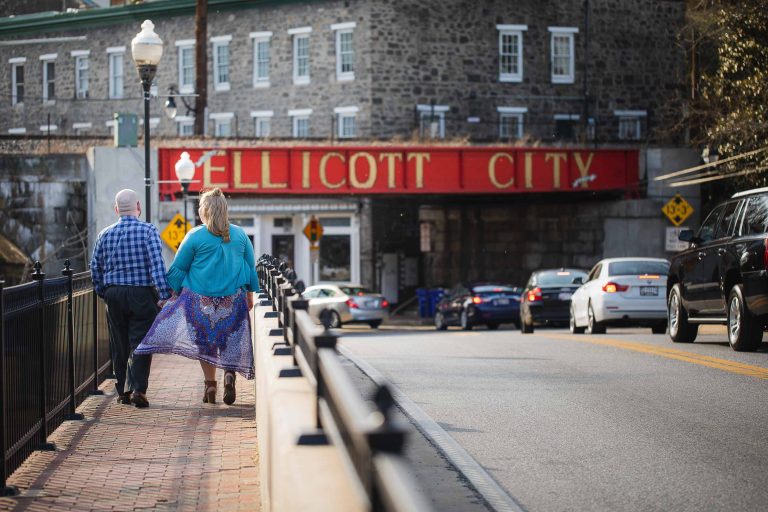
124,398
140,400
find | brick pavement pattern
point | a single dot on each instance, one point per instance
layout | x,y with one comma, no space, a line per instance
178,454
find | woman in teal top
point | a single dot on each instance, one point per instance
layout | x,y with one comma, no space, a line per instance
213,277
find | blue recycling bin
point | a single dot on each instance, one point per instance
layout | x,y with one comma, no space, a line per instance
422,296
435,295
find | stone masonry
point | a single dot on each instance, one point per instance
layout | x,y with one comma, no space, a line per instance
405,53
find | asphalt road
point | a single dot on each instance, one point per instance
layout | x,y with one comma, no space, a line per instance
622,421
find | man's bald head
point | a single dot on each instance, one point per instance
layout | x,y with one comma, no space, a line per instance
127,203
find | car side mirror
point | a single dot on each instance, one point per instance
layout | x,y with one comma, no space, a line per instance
578,280
686,235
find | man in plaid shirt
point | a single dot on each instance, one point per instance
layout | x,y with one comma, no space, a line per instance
129,274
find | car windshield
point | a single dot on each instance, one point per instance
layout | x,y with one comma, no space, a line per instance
558,277
494,289
355,290
638,267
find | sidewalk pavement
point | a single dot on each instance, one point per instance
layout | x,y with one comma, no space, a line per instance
179,454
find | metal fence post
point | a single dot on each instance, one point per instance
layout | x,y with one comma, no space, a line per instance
39,276
73,414
95,316
5,490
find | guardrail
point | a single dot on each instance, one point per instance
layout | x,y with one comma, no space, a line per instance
369,439
54,351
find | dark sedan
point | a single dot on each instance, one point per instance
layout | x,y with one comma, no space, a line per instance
546,299
470,305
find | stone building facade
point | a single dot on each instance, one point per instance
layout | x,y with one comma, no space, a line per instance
578,70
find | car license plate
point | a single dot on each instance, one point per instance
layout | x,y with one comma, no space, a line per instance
501,302
649,291
564,296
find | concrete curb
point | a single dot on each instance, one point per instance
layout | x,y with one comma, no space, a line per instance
293,477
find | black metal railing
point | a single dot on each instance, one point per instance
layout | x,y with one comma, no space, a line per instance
54,351
369,438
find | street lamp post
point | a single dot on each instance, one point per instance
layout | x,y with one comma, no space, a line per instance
147,50
185,171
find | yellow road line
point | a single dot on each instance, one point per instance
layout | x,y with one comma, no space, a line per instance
670,353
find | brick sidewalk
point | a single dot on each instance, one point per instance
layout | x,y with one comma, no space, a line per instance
179,454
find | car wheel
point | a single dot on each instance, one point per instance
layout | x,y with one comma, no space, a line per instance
334,320
375,324
595,327
659,328
465,322
572,324
440,324
745,332
492,326
680,330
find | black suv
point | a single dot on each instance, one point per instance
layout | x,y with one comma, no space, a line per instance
722,278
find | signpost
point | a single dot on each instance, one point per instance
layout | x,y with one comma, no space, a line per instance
673,243
174,232
314,232
677,210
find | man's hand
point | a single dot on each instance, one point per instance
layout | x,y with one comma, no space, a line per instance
249,300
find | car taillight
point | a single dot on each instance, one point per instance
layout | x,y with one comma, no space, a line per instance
384,303
477,300
615,287
352,304
534,295
765,254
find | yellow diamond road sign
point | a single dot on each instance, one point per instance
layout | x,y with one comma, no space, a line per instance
677,210
174,232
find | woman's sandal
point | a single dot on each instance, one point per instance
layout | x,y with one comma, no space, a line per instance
229,387
209,392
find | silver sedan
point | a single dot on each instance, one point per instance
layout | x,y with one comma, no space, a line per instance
346,304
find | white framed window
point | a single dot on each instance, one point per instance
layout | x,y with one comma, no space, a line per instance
300,122
563,54
630,123
48,62
82,65
186,49
116,56
511,52
432,120
82,128
222,123
110,125
565,126
47,128
345,51
17,131
154,122
511,122
300,54
221,63
262,43
346,121
17,79
185,125
262,122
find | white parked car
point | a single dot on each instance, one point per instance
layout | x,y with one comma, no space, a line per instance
347,304
622,291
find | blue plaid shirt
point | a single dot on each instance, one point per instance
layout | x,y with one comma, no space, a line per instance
129,253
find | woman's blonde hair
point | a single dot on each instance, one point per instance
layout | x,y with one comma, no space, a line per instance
215,213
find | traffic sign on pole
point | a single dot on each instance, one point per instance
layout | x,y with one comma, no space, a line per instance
313,231
174,232
677,210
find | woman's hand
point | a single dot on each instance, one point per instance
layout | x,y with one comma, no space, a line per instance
249,300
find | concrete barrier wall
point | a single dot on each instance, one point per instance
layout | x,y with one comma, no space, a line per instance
293,477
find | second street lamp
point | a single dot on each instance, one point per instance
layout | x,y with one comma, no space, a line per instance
147,50
185,171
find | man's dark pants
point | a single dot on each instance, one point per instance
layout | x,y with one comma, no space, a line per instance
130,313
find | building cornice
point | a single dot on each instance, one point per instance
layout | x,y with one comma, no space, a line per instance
96,18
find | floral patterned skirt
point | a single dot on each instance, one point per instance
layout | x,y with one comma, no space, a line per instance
216,330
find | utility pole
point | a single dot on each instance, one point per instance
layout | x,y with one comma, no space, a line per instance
201,65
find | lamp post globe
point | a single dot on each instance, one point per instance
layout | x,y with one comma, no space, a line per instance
185,171
147,50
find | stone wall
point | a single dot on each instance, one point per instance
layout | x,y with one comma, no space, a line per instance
406,53
43,207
